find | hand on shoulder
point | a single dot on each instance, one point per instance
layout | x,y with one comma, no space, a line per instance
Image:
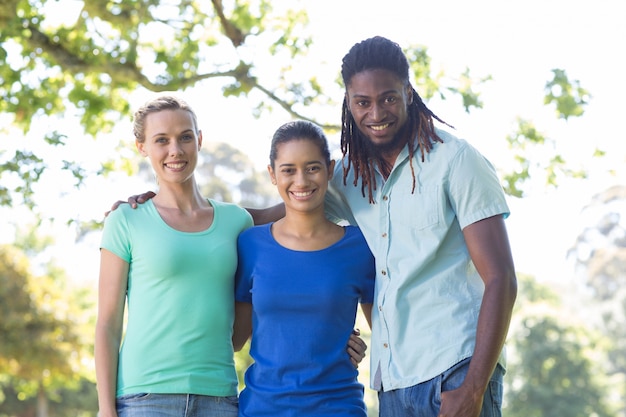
133,200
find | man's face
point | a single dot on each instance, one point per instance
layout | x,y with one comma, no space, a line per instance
378,101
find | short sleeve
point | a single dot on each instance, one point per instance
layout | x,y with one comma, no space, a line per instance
336,207
243,276
116,234
474,189
369,272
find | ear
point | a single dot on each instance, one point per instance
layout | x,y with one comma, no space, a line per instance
272,176
199,139
331,169
409,94
141,148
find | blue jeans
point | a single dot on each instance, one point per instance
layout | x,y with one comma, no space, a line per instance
176,405
424,400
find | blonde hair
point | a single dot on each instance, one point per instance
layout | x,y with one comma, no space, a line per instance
156,105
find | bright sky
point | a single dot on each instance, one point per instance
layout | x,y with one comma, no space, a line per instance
517,43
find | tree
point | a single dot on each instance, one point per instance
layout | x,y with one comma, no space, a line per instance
534,153
600,254
88,63
46,331
555,362
224,170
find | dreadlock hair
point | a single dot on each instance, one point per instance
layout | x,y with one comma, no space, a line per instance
381,53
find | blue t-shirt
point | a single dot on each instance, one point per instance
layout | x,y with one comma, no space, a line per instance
304,307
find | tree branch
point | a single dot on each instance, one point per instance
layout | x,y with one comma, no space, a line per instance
236,36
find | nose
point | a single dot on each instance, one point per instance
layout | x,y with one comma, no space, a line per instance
300,178
175,149
378,112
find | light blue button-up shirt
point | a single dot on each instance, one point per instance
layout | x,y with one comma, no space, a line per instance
428,292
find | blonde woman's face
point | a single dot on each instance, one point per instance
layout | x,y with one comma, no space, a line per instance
172,145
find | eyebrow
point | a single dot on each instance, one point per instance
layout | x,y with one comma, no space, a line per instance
384,93
308,163
165,134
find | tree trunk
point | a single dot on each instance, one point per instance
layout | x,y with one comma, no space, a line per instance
42,402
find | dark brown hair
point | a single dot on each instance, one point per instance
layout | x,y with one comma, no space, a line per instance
299,130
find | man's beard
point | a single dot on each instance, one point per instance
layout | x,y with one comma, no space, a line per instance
376,150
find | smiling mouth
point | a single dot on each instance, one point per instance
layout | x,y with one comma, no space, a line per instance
177,165
301,194
379,128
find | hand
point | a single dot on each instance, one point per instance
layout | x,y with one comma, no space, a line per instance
356,348
460,402
133,200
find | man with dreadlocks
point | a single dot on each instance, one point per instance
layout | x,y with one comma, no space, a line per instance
432,211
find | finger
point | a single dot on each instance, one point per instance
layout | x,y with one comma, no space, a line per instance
356,332
357,342
356,354
115,205
355,363
142,198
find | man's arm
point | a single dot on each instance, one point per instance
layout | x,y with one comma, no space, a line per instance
267,215
489,248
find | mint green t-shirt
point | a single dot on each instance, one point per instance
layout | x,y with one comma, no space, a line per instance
180,301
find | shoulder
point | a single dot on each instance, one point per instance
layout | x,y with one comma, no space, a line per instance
354,234
124,212
451,145
454,151
231,209
353,231
251,239
222,205
254,233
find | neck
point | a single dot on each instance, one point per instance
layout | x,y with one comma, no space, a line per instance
185,196
306,231
304,224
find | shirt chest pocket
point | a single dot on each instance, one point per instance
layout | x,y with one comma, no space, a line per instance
418,210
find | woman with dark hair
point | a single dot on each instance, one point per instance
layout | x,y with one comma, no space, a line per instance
298,285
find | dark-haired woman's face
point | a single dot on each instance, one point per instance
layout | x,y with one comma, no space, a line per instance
378,101
301,175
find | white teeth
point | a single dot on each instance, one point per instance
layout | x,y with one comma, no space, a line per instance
381,127
175,166
302,193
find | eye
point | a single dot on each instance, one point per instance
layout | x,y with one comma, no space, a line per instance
287,171
187,137
390,100
362,103
314,169
160,140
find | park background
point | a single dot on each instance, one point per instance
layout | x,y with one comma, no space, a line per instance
536,86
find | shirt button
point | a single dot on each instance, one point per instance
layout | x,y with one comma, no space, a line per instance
383,272
380,308
384,234
385,198
385,345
